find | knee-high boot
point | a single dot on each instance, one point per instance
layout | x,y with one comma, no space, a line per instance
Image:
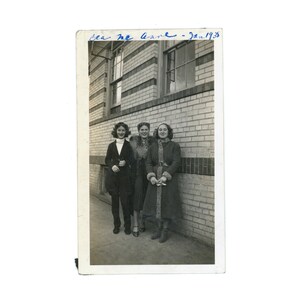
164,233
157,231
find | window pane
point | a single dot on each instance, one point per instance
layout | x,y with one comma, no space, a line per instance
180,78
180,56
121,68
114,95
114,73
171,81
190,51
119,91
171,61
171,43
118,71
190,73
118,58
117,68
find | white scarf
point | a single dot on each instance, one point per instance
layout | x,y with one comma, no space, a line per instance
120,143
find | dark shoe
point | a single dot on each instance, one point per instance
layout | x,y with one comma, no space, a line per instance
156,235
116,230
135,231
127,230
142,227
164,236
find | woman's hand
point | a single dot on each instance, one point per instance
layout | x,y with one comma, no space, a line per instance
115,169
162,181
122,163
153,180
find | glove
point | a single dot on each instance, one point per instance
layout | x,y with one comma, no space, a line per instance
115,169
122,163
153,180
163,179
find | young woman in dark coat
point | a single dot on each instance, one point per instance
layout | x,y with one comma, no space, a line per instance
140,145
162,198
119,159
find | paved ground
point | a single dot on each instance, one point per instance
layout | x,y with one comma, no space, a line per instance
120,249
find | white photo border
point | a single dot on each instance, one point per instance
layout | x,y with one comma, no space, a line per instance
82,39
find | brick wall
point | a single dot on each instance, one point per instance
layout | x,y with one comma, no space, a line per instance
190,114
140,68
192,121
98,86
147,51
95,179
197,194
205,71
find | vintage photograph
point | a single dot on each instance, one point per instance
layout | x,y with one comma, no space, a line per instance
151,152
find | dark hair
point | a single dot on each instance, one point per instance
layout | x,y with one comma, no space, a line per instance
114,132
143,124
170,131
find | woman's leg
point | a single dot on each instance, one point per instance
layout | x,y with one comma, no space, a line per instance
115,213
164,232
135,230
156,234
142,222
126,213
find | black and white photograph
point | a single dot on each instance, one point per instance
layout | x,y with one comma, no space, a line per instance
151,150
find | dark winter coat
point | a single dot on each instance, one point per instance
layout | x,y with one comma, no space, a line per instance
170,202
139,174
119,183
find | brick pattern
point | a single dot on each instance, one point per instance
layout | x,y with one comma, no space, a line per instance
204,64
189,165
141,57
139,87
197,194
95,180
197,165
98,85
96,107
165,99
205,58
141,67
189,112
94,113
103,90
192,119
133,53
139,78
203,47
144,95
96,101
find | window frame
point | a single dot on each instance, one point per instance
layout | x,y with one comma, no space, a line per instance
115,81
174,49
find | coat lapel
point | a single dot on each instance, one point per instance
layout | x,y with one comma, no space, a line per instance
122,150
116,149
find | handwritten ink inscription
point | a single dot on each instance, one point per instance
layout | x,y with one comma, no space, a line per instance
165,35
146,36
207,36
98,37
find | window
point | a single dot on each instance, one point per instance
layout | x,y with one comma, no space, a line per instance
116,78
179,66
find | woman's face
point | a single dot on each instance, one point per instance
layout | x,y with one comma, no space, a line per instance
163,131
121,132
144,131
